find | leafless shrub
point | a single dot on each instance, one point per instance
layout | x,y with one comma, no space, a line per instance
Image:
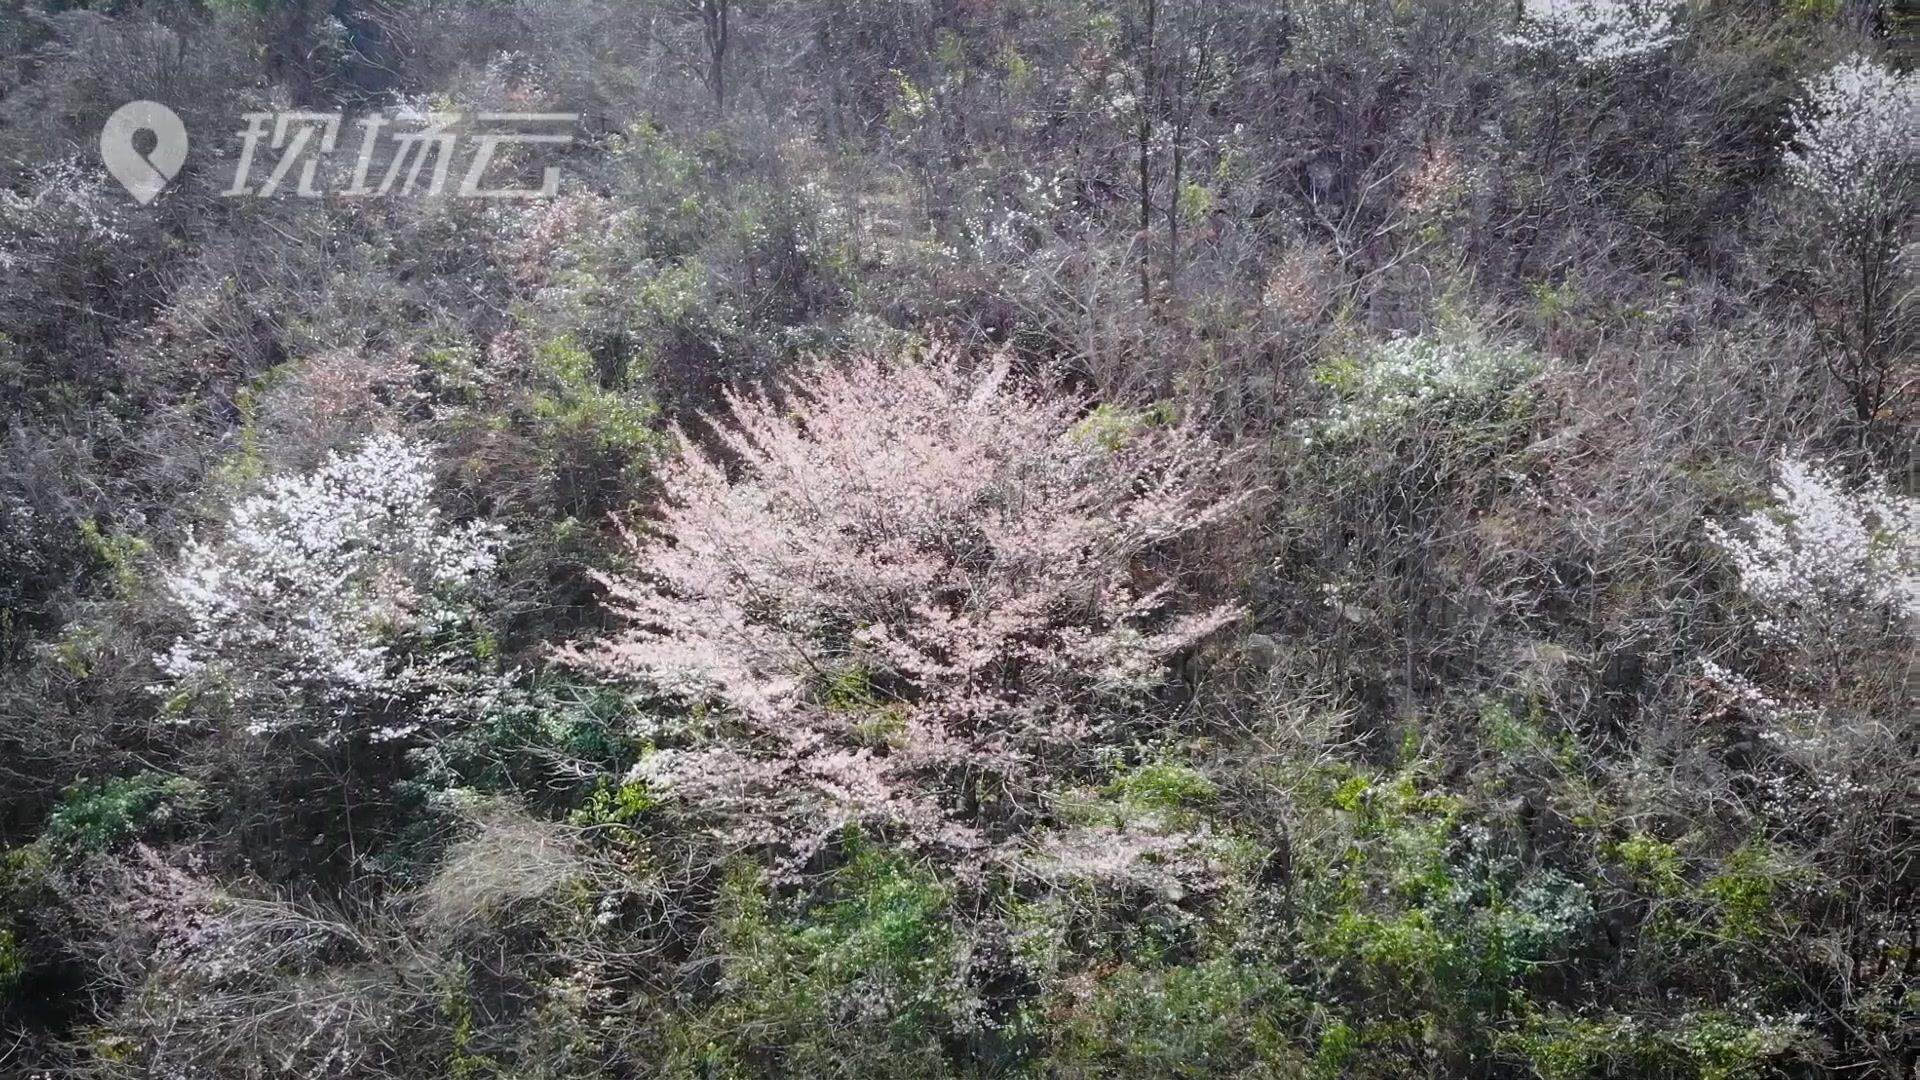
510,860
213,982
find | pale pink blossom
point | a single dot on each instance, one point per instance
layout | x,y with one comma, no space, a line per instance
956,549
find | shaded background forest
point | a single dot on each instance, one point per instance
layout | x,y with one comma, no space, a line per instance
1392,402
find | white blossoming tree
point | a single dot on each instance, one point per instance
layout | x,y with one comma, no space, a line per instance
1834,571
1853,154
313,585
1853,146
1828,567
1825,557
1596,33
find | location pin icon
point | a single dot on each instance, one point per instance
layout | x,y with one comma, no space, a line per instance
144,176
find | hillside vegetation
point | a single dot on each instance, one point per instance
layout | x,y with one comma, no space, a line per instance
969,539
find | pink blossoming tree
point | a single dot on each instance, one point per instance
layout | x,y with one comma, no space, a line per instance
912,600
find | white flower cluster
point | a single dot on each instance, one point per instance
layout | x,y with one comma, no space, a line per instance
66,208
1597,32
1406,377
1329,33
1826,555
316,577
1815,756
1855,137
1014,222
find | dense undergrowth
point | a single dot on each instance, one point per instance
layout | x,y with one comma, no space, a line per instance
1168,538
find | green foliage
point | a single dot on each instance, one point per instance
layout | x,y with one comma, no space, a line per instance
623,805
23,874
863,971
1492,333
666,180
524,732
1214,1018
1195,200
95,817
1163,785
13,962
913,105
1746,896
1018,72
1522,738
583,407
1469,388
117,551
463,1063
1654,864
876,724
24,892
453,369
1422,906
851,687
1813,11
248,463
76,650
1709,1045
1112,427
1552,302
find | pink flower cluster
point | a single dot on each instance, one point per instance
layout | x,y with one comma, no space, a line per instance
910,599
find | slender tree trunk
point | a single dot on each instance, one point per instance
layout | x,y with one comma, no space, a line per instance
1173,206
1143,102
714,15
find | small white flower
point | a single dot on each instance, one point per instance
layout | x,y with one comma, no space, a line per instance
1597,32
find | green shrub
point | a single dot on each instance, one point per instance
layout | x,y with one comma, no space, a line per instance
1432,914
861,978
1211,1019
1457,380
13,962
117,551
95,817
1707,1045
1163,785
1654,864
513,747
585,404
614,804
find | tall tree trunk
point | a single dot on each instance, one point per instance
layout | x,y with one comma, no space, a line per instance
1143,102
714,16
